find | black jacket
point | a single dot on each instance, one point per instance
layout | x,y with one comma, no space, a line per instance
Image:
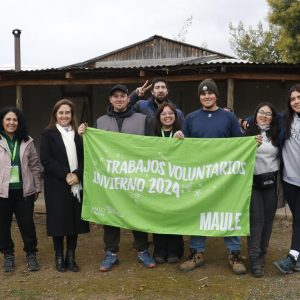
63,209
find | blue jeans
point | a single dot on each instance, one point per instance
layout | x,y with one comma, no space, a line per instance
233,243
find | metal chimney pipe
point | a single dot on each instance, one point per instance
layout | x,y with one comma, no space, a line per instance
17,33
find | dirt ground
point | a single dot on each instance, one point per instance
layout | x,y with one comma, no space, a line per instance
129,280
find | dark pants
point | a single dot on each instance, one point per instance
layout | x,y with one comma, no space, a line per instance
168,245
58,243
263,207
112,239
292,195
23,210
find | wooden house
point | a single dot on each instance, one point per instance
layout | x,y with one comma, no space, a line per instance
242,84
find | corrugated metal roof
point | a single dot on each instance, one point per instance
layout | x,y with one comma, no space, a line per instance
213,60
9,67
167,62
202,61
139,63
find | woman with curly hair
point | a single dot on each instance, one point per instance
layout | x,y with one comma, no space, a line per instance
20,185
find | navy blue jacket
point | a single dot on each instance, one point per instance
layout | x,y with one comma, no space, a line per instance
211,124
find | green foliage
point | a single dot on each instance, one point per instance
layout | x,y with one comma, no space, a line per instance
255,45
286,15
281,43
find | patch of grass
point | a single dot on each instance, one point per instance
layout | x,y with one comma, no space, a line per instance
23,294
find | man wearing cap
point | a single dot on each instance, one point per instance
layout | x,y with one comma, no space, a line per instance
148,107
211,121
121,118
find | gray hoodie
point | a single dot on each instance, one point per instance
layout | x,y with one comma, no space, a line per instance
291,154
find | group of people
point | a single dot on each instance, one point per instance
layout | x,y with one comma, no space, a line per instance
61,155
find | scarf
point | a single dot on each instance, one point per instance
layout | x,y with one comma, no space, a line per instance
264,127
68,135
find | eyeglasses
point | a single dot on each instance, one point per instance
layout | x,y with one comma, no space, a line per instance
266,114
167,114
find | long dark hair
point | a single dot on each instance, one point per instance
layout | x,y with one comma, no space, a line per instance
272,133
289,113
21,134
158,125
57,105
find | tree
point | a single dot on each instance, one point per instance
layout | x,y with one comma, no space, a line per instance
280,43
180,36
286,15
255,45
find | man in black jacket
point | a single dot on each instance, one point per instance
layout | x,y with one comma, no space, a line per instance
148,107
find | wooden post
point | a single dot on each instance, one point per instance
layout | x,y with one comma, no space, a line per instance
19,97
230,93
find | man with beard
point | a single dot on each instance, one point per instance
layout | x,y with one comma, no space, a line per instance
148,107
211,121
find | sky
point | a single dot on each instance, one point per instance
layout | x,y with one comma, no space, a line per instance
56,33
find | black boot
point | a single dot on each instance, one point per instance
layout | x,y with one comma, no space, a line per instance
70,262
32,263
262,258
59,262
9,262
255,267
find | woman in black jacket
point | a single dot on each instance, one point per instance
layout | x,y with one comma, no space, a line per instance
61,153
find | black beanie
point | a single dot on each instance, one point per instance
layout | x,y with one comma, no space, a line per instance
208,85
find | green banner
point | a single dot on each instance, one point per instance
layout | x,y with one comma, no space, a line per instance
166,185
